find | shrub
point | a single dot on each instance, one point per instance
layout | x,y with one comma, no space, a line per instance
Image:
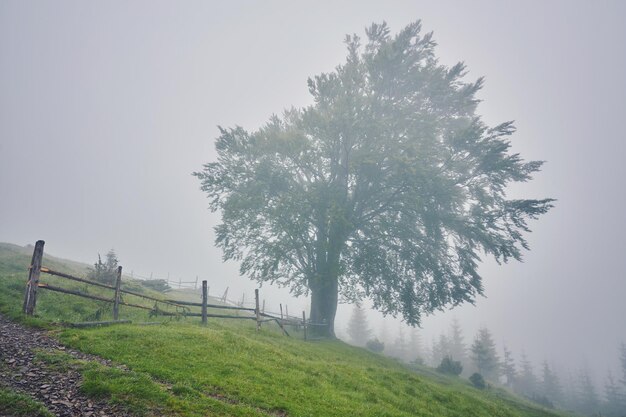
450,367
105,272
477,380
418,361
156,284
542,400
375,345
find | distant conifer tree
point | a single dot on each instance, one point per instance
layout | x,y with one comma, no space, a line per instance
484,355
441,349
358,330
416,349
508,368
623,361
456,343
526,381
400,348
615,404
588,400
550,385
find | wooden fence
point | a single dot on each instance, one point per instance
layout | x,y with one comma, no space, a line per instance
183,308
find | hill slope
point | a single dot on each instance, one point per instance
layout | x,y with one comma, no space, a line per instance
227,368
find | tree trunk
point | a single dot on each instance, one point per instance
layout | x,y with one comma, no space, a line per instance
324,286
324,296
332,231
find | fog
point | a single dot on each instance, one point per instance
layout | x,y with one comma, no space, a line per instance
107,108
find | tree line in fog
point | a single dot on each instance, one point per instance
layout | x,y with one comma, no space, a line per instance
454,353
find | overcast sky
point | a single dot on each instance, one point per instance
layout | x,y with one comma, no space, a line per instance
106,108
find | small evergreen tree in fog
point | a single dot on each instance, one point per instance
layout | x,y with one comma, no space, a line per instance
623,362
105,272
588,400
570,393
456,343
550,385
527,382
400,348
508,368
441,349
416,349
615,398
358,330
484,355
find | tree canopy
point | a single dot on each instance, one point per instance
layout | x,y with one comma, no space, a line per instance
388,186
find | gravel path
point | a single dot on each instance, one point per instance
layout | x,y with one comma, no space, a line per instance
56,389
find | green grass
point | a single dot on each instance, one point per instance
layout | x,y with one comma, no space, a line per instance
180,368
13,404
272,372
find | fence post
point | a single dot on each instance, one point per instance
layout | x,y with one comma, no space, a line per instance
257,310
263,308
30,297
304,323
116,302
281,311
286,312
205,297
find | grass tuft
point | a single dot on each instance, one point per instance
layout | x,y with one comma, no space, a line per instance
14,404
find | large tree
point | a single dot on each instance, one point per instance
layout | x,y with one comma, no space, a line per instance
388,186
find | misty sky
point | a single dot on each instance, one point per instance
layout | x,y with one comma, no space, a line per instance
106,108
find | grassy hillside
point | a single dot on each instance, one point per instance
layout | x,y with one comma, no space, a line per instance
180,368
55,307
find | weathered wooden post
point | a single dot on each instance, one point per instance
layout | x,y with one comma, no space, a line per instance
257,311
30,297
263,308
116,301
281,311
304,323
205,297
286,312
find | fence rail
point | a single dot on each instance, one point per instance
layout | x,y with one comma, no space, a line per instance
183,308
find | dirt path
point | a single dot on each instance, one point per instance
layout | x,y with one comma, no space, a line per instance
56,389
